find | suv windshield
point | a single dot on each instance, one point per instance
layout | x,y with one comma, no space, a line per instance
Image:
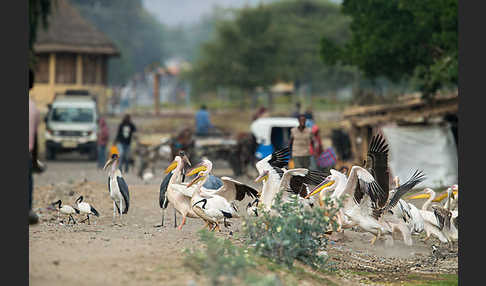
72,114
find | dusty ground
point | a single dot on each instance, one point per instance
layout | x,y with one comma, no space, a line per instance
103,253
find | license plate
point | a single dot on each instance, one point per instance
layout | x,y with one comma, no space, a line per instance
69,144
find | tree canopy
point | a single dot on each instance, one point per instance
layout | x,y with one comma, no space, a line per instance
400,39
137,34
280,41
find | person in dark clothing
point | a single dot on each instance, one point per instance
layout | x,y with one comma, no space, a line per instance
124,139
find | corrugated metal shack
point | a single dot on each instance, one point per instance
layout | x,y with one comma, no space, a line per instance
362,122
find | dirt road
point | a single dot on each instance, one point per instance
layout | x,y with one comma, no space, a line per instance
137,253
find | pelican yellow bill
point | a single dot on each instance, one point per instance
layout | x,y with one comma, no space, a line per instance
196,170
195,180
419,196
171,167
320,187
262,177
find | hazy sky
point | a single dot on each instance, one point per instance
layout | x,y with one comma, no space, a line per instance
174,12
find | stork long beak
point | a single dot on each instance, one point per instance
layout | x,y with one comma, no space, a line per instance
196,170
262,177
421,196
108,163
171,167
196,179
326,183
186,160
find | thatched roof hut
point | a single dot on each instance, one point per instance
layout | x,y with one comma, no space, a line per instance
68,31
72,54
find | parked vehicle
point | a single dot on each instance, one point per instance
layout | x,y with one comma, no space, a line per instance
272,133
71,125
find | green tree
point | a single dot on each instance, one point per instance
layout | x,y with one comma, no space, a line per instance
400,39
280,41
137,34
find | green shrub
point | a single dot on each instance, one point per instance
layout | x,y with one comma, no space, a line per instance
225,263
297,233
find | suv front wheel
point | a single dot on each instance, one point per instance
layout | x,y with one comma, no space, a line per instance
50,154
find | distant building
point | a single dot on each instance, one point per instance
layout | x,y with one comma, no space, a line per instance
71,54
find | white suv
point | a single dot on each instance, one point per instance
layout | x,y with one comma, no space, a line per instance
71,125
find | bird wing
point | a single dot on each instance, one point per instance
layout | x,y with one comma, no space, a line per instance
213,183
109,191
417,218
443,217
183,189
416,178
280,158
94,211
377,164
287,176
298,183
276,161
367,185
235,190
163,190
122,185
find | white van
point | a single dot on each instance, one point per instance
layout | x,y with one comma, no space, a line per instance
71,125
272,133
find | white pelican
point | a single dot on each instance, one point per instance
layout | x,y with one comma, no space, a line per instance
360,209
270,172
277,179
86,208
67,210
180,200
438,217
452,201
117,187
371,204
413,222
212,207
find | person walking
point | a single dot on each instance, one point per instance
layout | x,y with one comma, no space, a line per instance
300,140
124,139
33,125
103,136
203,123
315,147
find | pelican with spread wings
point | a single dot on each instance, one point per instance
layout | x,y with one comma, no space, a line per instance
277,179
369,189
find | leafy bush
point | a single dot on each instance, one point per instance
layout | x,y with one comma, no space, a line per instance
297,233
225,263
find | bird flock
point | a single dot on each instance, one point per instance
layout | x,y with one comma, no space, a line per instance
368,201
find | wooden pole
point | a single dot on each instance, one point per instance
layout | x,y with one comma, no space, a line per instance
156,92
